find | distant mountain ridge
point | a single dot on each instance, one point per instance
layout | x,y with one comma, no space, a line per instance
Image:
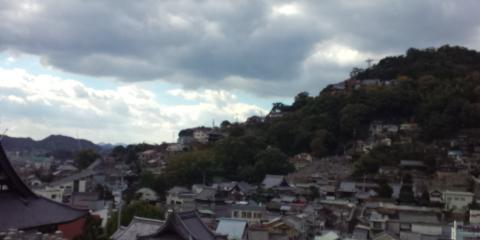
48,144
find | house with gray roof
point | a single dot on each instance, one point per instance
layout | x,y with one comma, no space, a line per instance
233,228
271,181
138,227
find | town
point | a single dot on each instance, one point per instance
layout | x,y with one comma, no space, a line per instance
376,178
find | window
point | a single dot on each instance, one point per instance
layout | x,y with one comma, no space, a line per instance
235,214
249,214
54,196
244,215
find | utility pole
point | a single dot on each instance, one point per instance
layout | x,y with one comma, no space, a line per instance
119,217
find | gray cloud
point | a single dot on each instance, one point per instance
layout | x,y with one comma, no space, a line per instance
237,44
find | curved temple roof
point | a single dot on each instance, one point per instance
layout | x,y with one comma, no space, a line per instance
20,208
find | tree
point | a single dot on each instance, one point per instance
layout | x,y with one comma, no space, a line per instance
352,117
406,194
84,158
384,190
92,229
301,100
323,143
314,193
119,152
225,124
189,168
147,179
425,198
271,161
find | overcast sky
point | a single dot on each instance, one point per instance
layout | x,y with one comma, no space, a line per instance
134,71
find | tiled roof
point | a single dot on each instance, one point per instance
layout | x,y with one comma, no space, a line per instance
185,225
273,181
138,226
20,208
234,229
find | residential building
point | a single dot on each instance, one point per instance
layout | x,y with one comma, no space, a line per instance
147,194
251,212
457,200
234,229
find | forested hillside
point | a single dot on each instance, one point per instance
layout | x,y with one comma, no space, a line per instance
439,89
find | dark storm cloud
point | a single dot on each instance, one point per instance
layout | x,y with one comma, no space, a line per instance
246,45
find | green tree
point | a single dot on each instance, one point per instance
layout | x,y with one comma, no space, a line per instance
353,117
189,168
323,143
384,190
406,194
84,158
92,229
271,161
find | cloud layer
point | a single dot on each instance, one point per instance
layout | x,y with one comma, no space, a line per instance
267,47
39,105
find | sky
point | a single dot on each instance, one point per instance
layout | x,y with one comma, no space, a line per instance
139,71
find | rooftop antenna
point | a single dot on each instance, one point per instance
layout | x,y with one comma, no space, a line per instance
369,62
213,123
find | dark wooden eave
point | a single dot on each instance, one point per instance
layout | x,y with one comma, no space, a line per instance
21,208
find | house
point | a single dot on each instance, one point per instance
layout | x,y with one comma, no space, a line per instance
176,148
250,212
289,226
301,160
207,195
412,165
147,194
436,196
378,222
78,182
184,226
457,200
271,181
139,226
55,194
328,236
234,191
361,232
233,228
474,216
385,236
180,198
201,135
259,233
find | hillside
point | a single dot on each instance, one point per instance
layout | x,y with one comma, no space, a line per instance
52,143
435,91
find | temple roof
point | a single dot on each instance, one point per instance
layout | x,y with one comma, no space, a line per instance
138,226
185,225
22,209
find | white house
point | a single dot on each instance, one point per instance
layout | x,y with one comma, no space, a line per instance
457,200
201,135
55,194
146,194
